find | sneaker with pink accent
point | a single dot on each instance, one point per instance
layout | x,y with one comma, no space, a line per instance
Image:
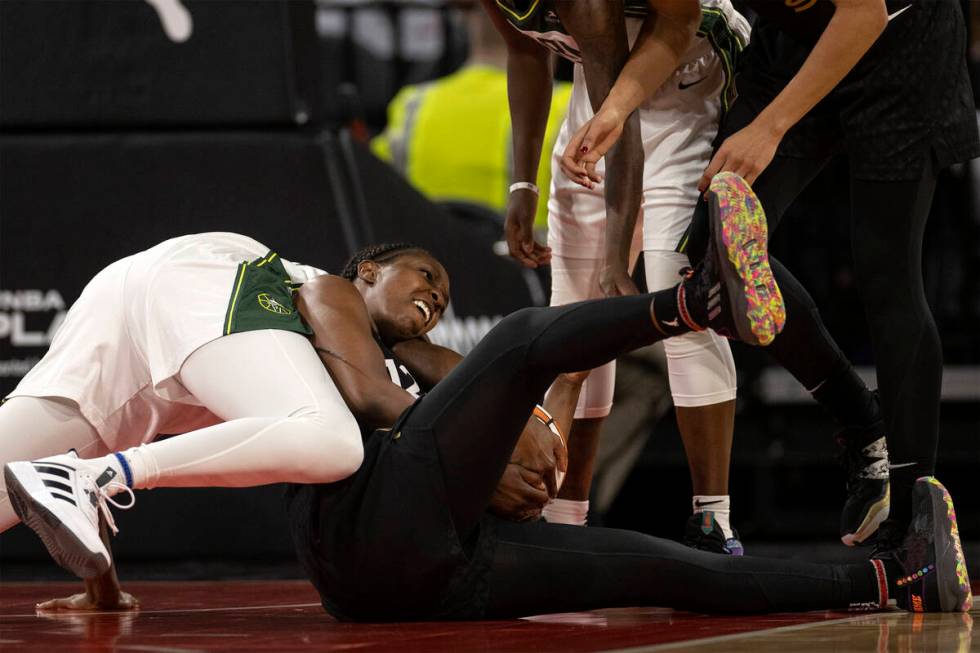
931,555
733,291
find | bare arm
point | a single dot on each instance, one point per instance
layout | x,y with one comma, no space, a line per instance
666,35
563,397
529,84
427,362
335,311
599,28
854,28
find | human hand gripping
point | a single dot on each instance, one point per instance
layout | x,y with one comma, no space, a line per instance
615,281
519,230
747,153
543,452
520,495
589,144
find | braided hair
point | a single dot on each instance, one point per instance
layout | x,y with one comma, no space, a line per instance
378,254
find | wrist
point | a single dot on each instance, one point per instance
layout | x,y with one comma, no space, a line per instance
612,110
773,124
518,186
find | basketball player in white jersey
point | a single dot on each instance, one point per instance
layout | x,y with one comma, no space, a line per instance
198,336
591,233
202,336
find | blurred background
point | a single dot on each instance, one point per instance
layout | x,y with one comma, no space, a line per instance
321,127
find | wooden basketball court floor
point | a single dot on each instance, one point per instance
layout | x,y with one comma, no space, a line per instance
271,616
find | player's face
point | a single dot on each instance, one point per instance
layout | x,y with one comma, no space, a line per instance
409,296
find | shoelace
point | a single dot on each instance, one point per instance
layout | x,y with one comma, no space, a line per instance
104,498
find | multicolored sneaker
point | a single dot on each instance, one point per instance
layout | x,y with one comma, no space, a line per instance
733,290
864,456
931,557
60,499
703,532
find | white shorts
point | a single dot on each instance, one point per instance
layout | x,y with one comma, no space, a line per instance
124,340
677,127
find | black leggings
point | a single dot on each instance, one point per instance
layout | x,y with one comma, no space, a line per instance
477,414
887,226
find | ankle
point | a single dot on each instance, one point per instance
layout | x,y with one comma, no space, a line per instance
719,505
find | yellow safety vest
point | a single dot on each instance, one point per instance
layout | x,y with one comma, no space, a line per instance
451,138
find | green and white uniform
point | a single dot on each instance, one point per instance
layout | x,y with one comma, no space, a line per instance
123,342
678,124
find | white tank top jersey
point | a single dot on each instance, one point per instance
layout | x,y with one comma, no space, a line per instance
677,123
124,340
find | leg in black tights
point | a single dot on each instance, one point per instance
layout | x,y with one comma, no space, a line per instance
804,348
478,411
477,414
555,568
887,230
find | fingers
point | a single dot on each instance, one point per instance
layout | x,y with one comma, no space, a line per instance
535,488
746,162
517,253
54,605
74,602
569,161
127,601
590,171
714,167
541,253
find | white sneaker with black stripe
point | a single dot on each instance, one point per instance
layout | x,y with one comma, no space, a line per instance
60,499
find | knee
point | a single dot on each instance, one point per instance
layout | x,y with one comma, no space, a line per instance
325,451
517,324
701,369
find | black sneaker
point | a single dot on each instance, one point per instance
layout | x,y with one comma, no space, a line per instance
931,556
704,533
733,290
864,456
888,539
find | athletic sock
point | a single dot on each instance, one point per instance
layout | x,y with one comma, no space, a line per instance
566,511
718,505
872,584
846,397
134,467
666,314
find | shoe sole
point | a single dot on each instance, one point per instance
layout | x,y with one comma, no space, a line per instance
954,596
739,224
872,520
64,546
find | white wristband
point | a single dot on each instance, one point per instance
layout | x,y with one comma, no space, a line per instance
518,185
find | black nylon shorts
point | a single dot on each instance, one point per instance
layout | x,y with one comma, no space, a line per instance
909,98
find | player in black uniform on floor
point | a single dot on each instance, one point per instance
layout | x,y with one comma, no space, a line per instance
817,80
408,537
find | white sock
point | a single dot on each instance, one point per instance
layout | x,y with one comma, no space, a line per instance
566,511
142,468
717,504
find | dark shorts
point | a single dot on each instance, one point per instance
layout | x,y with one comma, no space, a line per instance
381,545
909,98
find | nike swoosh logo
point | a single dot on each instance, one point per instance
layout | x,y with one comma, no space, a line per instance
701,504
900,11
900,465
682,85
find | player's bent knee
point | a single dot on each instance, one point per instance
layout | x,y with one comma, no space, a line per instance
701,369
325,451
517,325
